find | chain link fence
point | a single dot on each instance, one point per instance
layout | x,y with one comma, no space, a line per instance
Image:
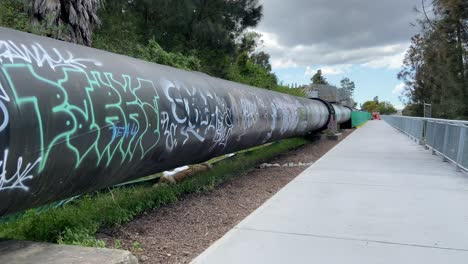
448,138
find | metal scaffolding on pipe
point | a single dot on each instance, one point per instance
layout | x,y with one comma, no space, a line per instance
75,119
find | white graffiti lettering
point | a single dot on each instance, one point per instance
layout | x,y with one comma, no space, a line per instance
287,111
17,179
274,116
36,54
250,113
195,114
169,131
4,117
223,127
3,94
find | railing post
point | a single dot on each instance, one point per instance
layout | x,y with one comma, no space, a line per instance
422,141
461,147
426,132
444,146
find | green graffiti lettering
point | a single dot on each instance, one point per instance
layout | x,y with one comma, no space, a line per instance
82,111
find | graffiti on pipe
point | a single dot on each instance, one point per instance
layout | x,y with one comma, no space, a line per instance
4,117
17,178
131,116
250,113
75,119
196,113
125,107
126,123
37,55
288,113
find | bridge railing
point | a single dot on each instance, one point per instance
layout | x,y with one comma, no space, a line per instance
448,138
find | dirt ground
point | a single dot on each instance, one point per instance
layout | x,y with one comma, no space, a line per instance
179,232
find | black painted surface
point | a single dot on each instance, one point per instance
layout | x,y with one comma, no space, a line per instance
75,119
342,113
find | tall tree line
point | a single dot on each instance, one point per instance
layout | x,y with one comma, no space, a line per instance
435,68
208,29
212,36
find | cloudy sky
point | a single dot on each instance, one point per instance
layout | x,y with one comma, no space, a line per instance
364,40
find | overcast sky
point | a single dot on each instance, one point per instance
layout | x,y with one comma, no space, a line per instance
362,39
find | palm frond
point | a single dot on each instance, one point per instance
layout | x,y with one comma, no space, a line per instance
79,17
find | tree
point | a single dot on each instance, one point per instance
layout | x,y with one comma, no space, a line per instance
435,66
204,35
249,42
74,20
262,59
384,108
348,85
412,110
207,29
13,15
154,53
318,78
370,106
247,71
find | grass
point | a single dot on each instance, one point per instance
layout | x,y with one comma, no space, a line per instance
77,222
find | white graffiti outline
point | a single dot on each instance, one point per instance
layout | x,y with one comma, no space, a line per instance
16,181
169,131
3,94
3,108
287,111
189,120
250,113
37,54
223,128
6,117
274,116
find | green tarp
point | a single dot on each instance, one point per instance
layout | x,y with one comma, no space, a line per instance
358,118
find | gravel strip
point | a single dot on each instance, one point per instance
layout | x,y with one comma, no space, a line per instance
179,232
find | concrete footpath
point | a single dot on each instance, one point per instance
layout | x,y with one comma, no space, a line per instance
27,252
377,197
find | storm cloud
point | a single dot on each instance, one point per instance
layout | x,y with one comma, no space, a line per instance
374,33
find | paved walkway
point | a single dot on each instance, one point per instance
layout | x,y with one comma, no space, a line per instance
377,197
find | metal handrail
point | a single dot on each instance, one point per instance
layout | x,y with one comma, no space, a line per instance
439,120
448,138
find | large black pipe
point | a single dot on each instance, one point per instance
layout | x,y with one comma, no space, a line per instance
342,113
75,119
